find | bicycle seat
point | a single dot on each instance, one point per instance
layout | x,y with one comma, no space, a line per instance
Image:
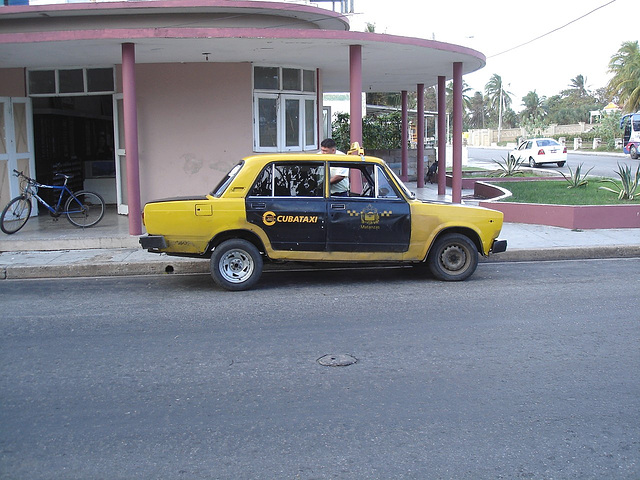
62,175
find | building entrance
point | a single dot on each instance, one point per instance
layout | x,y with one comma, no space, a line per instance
74,135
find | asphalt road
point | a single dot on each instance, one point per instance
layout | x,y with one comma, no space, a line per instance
602,165
526,370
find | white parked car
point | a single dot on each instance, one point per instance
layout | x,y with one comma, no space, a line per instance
538,151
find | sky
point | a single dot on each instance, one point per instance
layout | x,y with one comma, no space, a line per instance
491,27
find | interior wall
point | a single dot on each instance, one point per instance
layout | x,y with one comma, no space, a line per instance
194,124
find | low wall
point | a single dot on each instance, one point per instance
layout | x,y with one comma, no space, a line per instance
469,183
566,216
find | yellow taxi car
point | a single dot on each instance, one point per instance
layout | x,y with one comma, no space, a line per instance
279,208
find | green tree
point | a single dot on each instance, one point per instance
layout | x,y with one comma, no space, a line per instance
466,100
498,99
477,111
608,129
625,83
534,106
341,132
578,86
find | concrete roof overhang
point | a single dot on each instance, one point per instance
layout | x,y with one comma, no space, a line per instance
389,63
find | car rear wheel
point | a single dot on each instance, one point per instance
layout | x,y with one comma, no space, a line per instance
453,257
236,265
532,163
633,151
561,164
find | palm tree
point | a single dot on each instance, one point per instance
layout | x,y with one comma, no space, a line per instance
499,99
466,101
625,84
579,86
477,111
534,106
494,91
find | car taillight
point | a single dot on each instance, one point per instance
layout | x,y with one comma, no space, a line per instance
564,150
541,152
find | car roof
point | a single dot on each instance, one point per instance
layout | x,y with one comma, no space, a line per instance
309,157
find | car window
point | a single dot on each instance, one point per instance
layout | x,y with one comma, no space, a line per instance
224,183
373,180
384,188
529,143
290,180
546,142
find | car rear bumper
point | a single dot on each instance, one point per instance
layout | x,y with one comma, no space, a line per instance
153,242
498,246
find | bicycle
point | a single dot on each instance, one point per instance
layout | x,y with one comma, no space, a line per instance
83,208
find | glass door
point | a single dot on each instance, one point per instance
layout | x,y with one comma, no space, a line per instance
121,158
16,145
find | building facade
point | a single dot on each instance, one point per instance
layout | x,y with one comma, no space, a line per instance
159,98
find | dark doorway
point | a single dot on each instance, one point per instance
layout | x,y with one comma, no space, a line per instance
74,136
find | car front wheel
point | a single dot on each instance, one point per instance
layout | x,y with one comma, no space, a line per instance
453,257
236,265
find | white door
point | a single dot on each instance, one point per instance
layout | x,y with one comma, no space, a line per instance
121,158
16,145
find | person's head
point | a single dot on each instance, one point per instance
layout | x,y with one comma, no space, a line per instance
328,145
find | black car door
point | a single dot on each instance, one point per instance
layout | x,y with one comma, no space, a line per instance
287,202
377,219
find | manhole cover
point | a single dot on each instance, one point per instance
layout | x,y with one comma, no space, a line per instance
342,360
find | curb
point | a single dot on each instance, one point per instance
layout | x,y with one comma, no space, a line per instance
111,269
177,265
567,253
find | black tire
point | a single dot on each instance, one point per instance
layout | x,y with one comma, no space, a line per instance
85,210
15,214
561,164
532,163
453,257
236,265
633,151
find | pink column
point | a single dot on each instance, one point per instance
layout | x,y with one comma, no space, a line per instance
404,138
131,136
355,84
420,128
456,185
355,95
442,135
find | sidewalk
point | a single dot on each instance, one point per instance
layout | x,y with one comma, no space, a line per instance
45,248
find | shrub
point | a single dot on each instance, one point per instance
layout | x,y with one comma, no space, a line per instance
509,167
576,179
629,186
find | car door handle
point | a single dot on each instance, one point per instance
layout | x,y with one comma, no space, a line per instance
338,206
259,206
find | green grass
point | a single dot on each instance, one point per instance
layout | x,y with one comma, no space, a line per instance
557,193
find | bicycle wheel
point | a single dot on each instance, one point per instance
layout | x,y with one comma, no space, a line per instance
84,209
15,214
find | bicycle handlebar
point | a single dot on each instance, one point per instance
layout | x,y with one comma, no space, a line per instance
32,181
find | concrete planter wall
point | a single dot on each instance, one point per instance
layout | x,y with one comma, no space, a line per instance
566,216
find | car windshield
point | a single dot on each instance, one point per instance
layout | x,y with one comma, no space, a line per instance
226,180
547,142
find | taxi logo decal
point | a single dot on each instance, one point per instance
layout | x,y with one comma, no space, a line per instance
369,217
271,218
